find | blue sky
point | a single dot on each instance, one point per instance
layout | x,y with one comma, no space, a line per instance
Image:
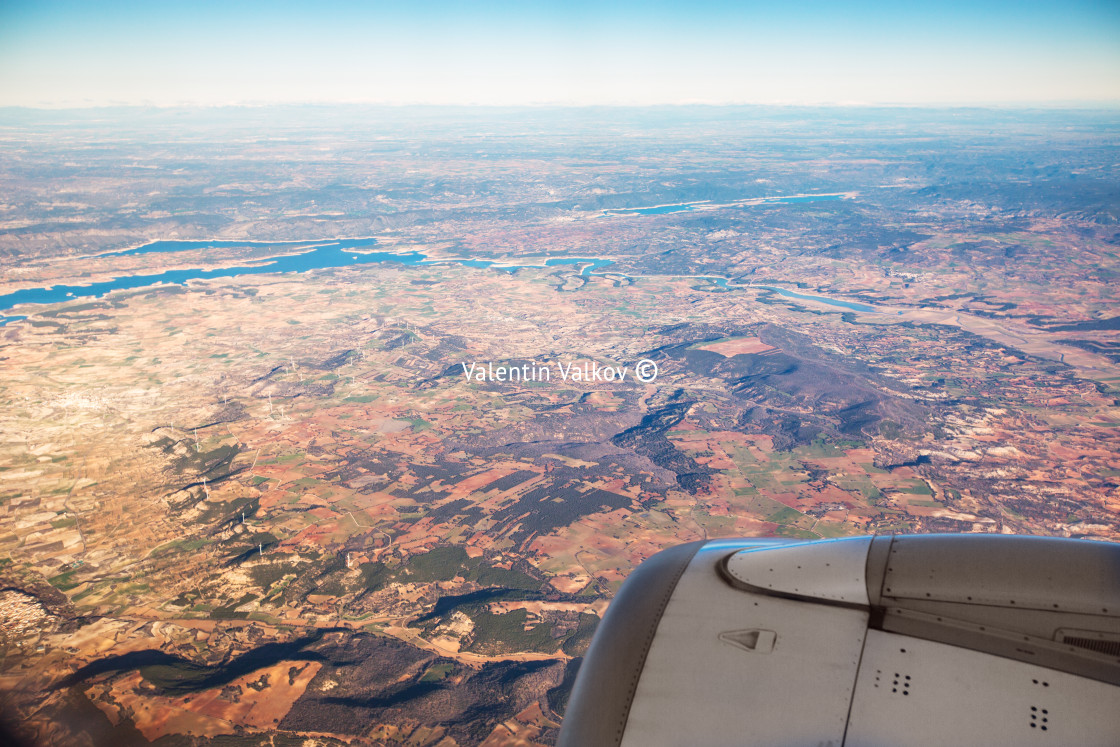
62,53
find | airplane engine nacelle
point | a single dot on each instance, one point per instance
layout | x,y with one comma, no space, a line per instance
887,640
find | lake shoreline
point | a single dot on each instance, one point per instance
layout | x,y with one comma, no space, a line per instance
323,254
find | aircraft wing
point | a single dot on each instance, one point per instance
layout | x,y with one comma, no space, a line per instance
886,640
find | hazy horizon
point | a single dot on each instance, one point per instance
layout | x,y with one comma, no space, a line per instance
65,54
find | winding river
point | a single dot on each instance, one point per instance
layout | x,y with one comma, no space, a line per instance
324,254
